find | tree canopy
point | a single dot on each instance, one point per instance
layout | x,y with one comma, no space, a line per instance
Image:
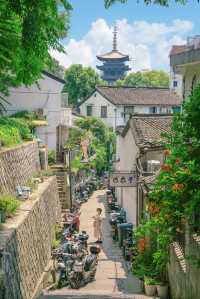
80,81
108,3
145,79
28,30
101,144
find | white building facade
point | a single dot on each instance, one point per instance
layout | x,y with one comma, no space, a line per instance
114,105
139,147
185,63
45,99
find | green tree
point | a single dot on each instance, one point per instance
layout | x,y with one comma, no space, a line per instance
55,68
28,30
108,3
80,82
101,139
145,79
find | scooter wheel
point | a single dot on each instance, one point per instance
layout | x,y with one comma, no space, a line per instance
76,281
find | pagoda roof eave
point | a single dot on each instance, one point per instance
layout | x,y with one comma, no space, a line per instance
113,55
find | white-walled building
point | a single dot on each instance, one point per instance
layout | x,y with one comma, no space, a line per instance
139,148
185,62
114,105
46,99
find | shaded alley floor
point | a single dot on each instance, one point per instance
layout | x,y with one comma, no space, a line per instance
113,280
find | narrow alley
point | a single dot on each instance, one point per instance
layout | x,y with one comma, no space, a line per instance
113,280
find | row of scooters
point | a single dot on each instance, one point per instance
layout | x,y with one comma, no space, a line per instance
75,262
83,190
121,230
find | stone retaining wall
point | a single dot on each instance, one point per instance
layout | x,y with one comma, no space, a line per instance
27,241
17,165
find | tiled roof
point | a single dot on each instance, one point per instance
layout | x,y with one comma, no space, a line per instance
113,55
147,130
178,49
139,96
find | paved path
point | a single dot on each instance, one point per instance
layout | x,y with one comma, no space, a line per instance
112,278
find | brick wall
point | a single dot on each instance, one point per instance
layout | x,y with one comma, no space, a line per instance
17,165
27,240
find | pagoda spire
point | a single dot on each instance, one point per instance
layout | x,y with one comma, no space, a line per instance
115,38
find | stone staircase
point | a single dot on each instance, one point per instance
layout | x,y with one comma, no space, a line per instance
61,174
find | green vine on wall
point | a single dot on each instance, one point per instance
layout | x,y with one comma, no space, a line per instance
174,199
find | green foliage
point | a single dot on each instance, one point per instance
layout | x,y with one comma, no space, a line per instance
55,243
146,79
13,131
28,30
100,139
51,157
9,136
81,81
174,199
8,204
55,68
149,281
108,3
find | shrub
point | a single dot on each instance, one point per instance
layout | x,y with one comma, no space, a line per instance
12,130
51,157
8,204
9,136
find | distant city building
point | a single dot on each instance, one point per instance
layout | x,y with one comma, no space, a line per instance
114,63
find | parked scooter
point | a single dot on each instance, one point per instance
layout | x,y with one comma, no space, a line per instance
115,219
84,271
72,221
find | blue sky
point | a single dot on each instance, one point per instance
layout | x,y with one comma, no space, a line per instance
87,11
146,33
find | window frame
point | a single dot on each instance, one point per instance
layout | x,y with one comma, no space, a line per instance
104,114
89,106
155,109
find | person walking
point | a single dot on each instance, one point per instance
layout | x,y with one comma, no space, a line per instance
97,224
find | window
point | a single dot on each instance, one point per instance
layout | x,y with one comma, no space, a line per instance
89,110
175,83
104,111
128,110
152,110
176,109
163,110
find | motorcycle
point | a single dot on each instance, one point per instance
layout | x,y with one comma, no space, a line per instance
72,221
84,271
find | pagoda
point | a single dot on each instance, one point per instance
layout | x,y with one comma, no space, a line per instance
114,65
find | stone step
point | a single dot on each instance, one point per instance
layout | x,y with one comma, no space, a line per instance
68,294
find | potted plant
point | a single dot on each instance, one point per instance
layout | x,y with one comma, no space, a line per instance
161,260
162,290
150,286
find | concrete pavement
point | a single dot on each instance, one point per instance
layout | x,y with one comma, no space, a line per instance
113,280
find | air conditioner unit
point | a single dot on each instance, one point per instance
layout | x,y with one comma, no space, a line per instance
153,166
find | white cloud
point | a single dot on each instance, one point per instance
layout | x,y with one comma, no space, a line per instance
148,44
